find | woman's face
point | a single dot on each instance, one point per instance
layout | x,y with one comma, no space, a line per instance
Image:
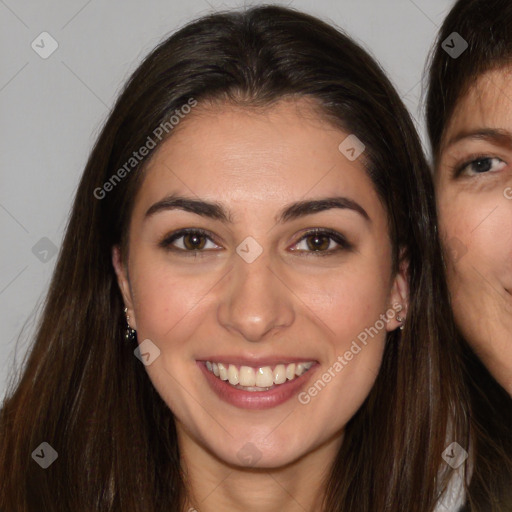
474,194
257,295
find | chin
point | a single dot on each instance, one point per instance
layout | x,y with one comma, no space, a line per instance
264,450
250,457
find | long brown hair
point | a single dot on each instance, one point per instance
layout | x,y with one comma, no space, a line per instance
486,26
83,391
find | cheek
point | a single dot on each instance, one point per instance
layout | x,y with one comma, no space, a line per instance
352,306
349,302
344,300
477,234
163,298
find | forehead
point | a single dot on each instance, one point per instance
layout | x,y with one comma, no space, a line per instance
281,153
487,104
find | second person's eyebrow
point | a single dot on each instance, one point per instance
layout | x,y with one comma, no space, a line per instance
494,135
217,211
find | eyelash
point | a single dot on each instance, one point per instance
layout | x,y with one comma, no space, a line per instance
343,244
459,169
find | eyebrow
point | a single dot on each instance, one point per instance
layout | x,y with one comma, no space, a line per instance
217,211
495,136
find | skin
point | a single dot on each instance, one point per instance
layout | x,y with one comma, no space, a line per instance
475,210
288,302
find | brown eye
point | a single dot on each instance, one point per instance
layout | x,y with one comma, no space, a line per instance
194,242
188,240
318,242
322,242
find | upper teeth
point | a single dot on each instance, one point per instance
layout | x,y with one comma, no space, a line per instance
262,377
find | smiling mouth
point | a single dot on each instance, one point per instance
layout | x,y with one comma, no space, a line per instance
263,378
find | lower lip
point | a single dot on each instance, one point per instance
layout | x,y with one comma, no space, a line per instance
256,399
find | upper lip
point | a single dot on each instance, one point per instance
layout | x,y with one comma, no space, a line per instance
256,361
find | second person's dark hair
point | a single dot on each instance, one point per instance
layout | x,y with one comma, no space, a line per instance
486,26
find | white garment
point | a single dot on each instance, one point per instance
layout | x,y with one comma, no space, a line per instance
454,497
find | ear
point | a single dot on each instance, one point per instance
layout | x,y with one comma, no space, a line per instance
399,295
124,284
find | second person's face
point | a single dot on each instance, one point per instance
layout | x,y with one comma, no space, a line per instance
474,195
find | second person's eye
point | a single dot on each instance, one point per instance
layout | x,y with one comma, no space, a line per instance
482,165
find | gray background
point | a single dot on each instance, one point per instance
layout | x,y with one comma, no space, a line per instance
51,111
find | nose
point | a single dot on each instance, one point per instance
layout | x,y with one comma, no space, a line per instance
255,301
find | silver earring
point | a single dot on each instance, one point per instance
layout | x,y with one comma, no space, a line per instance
130,333
400,319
